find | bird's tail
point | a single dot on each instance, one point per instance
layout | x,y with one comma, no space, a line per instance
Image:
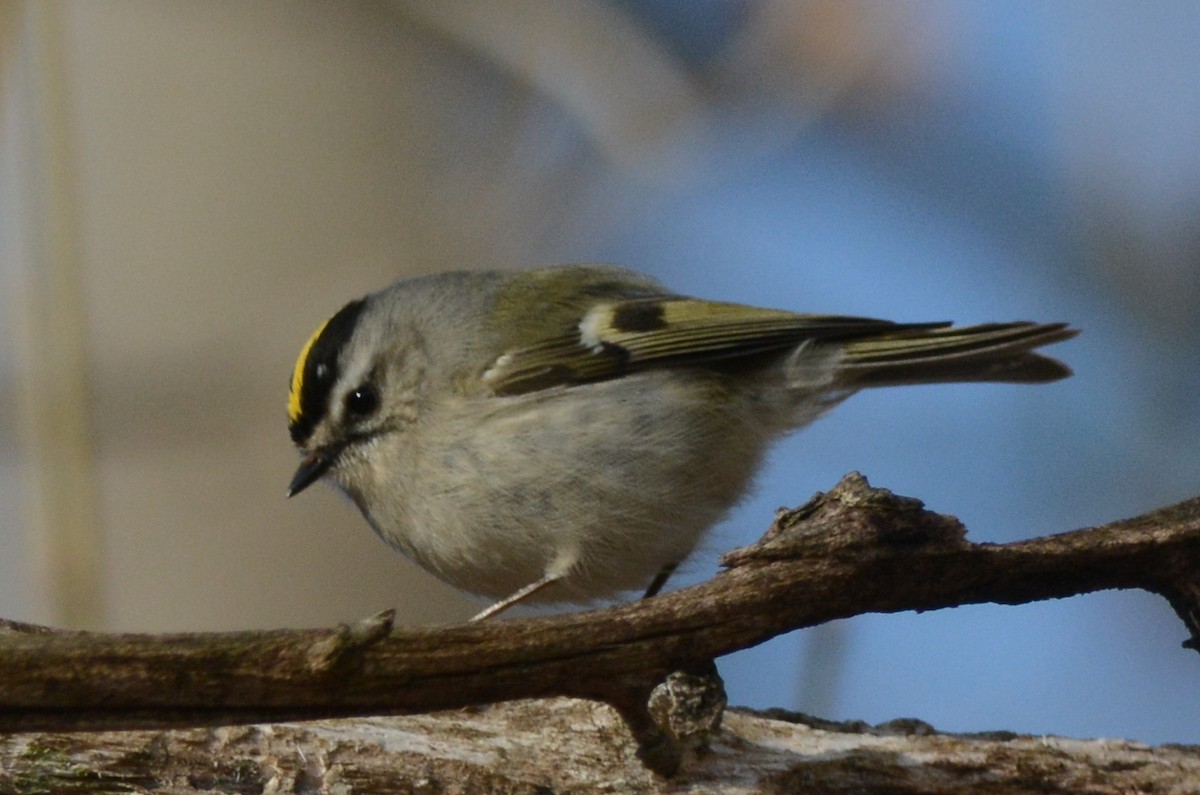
1000,352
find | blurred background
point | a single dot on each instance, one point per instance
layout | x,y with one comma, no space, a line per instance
188,189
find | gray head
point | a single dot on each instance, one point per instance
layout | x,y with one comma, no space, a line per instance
367,369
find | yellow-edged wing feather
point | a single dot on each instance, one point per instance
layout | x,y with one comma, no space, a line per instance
616,337
989,352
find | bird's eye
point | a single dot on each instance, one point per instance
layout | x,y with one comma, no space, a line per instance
362,401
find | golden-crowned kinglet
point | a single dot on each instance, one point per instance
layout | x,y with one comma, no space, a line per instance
568,433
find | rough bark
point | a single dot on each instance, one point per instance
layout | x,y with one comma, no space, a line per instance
851,551
566,745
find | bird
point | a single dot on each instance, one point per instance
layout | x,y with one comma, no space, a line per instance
570,433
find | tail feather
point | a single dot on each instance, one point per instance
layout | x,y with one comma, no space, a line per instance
998,352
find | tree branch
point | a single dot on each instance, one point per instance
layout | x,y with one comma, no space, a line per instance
565,745
851,551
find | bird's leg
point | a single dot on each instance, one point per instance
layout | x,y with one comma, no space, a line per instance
660,579
517,596
529,590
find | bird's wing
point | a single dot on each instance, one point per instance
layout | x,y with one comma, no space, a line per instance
617,337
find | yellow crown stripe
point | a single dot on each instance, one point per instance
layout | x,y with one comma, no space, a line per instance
294,410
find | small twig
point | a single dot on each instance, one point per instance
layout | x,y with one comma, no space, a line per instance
851,551
340,650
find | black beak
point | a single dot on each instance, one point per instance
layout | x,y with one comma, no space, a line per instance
314,465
